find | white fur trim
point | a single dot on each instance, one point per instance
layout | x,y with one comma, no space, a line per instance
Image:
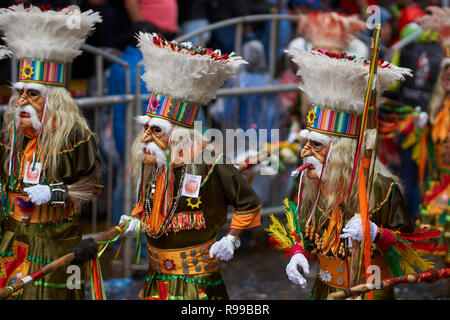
371,137
49,35
319,137
337,83
33,86
164,124
142,120
304,134
181,75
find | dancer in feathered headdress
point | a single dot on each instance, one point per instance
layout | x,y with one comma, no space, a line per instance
50,160
184,187
330,204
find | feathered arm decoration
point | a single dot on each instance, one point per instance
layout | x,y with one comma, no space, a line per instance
404,251
289,236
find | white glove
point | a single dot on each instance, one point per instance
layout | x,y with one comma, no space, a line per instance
39,194
421,120
132,226
222,249
297,260
354,230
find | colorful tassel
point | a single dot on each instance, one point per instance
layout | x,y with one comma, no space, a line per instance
25,206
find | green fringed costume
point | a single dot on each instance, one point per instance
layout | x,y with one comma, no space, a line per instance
26,245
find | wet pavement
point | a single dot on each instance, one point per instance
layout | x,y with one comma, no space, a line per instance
255,273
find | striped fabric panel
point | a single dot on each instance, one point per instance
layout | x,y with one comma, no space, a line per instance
43,72
176,111
334,122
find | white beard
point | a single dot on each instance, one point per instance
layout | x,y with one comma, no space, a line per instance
316,164
33,116
153,149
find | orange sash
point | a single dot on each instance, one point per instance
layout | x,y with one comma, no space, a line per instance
29,150
333,232
162,202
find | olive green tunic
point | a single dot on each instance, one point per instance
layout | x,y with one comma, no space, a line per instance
222,186
25,248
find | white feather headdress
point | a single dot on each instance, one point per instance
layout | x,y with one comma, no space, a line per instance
46,35
185,72
339,82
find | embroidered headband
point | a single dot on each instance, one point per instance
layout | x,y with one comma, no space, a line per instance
176,111
332,122
43,72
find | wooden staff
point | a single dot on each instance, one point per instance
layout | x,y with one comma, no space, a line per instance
58,263
371,124
431,275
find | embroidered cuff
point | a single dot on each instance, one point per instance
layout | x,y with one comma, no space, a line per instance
385,239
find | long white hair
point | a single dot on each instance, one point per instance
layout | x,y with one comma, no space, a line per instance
61,114
185,144
338,172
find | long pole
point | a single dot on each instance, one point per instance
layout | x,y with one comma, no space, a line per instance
54,265
370,103
431,275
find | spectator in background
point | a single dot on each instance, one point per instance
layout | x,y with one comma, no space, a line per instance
161,13
193,15
54,4
103,37
218,10
257,111
303,6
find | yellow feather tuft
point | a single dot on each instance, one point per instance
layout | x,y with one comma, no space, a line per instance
289,218
278,232
412,258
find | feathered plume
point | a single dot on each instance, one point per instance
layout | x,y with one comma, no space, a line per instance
46,35
439,21
330,29
339,81
183,71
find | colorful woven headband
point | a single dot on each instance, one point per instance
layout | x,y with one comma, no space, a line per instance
175,111
333,122
43,72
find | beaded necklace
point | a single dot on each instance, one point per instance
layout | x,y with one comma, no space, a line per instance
148,208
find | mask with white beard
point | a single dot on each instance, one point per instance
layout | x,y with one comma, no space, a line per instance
153,149
316,164
28,111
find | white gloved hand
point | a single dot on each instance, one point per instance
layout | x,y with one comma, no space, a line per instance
132,226
421,120
297,260
354,230
222,249
39,194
